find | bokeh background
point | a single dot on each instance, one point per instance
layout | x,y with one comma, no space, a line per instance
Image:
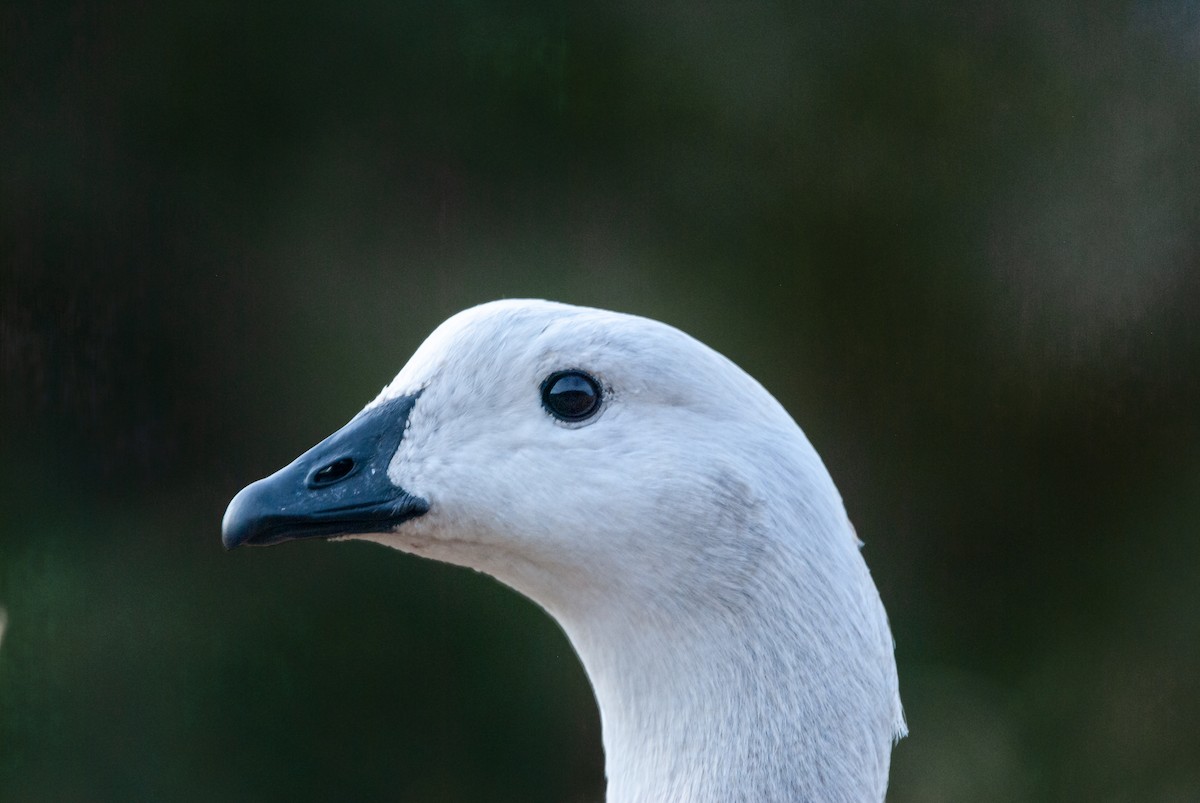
960,242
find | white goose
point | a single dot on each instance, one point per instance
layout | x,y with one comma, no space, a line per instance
663,508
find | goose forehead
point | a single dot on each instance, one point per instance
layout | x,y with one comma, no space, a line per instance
465,342
499,350
532,337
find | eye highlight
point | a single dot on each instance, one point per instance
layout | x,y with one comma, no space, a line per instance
571,395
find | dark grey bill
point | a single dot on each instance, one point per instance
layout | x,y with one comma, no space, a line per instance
338,487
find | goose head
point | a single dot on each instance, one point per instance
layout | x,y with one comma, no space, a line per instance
662,507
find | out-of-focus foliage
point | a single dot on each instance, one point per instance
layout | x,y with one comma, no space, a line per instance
959,242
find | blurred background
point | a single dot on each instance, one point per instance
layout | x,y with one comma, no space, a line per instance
959,242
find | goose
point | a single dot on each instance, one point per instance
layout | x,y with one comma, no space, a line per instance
662,507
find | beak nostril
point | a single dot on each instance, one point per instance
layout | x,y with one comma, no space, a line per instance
329,474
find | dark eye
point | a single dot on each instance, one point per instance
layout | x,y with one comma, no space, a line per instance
571,395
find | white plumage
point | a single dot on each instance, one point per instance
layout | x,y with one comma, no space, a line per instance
686,536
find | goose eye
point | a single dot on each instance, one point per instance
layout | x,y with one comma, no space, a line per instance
571,395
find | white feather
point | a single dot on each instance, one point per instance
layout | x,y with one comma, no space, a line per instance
688,539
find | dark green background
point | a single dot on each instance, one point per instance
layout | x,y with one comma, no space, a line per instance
960,243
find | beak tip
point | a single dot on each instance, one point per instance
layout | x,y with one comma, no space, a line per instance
237,525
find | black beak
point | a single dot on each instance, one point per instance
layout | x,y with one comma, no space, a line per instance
339,487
